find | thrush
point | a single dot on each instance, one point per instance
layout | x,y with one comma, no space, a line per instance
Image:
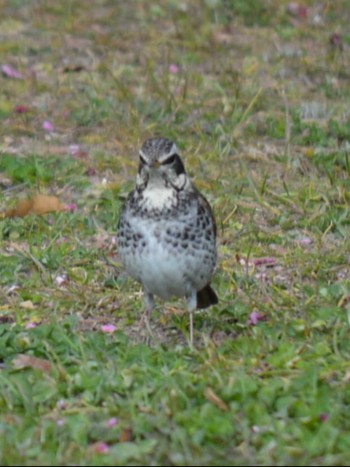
167,232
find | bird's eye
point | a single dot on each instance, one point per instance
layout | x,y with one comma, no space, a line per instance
142,160
170,160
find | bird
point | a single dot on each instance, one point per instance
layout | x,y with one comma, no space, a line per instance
166,236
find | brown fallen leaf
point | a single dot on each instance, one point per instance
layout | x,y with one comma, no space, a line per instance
215,399
125,435
39,204
27,361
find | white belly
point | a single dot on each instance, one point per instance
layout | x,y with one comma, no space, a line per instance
164,268
163,275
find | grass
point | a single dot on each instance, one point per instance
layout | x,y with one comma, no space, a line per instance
259,108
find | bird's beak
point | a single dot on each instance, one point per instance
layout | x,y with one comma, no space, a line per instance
155,165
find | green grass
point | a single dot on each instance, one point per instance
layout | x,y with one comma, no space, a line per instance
259,109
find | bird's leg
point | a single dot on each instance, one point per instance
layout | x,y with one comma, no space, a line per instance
149,305
191,306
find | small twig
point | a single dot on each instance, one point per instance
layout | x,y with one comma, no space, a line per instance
287,132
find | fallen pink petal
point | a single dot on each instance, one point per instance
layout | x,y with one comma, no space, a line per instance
60,280
74,149
61,404
77,152
21,109
10,72
108,328
336,40
173,69
323,417
112,422
70,207
254,318
242,261
101,447
305,241
47,126
297,10
292,8
31,325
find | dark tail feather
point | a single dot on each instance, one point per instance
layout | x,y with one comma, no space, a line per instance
206,297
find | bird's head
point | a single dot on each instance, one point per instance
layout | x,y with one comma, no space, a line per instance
161,164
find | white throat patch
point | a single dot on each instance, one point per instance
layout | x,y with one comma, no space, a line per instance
159,197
